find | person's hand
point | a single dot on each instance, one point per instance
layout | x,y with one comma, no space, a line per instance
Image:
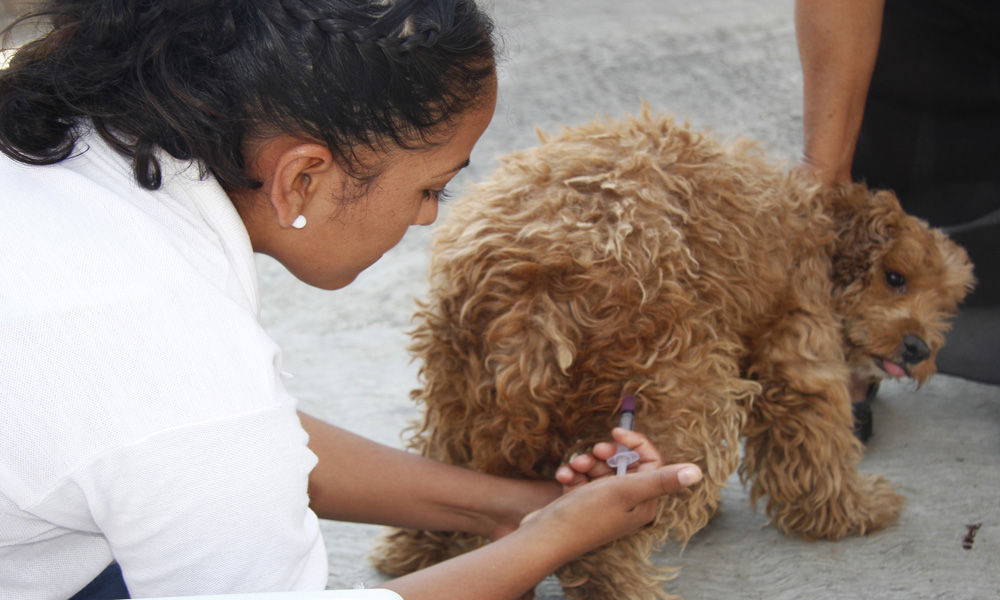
575,523
611,506
809,169
823,173
592,510
593,465
600,508
586,468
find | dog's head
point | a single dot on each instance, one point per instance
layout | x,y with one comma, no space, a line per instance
897,284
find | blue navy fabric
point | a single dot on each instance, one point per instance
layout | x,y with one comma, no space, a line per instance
109,585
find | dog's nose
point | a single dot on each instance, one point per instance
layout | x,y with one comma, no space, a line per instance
915,350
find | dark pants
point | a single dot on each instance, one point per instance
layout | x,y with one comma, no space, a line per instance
931,129
109,585
931,133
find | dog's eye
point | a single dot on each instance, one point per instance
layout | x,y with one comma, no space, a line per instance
894,279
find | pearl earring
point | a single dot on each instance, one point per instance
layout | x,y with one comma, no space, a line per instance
299,222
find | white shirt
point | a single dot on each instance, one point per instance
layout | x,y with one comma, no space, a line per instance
143,417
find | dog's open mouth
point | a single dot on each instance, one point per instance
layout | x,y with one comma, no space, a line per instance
893,369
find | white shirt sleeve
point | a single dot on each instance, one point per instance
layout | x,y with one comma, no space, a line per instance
180,446
214,507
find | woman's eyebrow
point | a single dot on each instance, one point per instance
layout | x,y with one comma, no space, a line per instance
456,168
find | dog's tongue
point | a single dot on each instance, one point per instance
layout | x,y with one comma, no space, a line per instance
894,369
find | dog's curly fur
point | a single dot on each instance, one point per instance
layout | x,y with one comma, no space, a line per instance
732,297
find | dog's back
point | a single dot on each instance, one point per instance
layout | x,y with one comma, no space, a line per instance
636,205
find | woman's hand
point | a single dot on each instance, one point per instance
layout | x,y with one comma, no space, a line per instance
603,509
593,465
625,503
594,509
583,469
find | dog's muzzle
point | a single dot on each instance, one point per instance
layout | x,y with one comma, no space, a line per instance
915,350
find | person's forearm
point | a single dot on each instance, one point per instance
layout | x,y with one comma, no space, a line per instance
503,570
588,517
363,481
838,43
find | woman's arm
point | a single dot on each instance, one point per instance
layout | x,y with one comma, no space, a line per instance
588,517
364,481
838,42
536,529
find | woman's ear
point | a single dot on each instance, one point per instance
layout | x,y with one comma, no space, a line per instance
300,175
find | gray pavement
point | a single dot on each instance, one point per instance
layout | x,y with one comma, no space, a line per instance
732,66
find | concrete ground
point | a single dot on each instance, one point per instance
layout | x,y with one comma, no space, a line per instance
730,65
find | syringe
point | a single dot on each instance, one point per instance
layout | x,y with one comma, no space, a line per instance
624,457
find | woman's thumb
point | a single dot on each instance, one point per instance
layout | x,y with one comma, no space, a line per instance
665,480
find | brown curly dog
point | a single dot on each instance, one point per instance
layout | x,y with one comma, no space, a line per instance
734,299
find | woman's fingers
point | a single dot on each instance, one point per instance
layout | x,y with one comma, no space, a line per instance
593,465
641,490
581,469
649,456
650,485
570,477
605,510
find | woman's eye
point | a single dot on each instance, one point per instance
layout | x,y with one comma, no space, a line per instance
894,279
441,195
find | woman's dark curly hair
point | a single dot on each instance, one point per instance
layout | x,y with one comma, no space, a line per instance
201,78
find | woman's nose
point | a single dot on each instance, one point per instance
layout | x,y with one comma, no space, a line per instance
427,213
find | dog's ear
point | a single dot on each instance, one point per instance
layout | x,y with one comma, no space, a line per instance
958,277
865,222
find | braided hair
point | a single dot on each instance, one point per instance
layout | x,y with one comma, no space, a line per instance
201,78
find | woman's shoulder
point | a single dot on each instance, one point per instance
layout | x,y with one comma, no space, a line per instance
85,226
123,311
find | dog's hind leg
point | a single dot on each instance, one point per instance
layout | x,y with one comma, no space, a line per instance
691,416
800,450
403,551
473,418
620,570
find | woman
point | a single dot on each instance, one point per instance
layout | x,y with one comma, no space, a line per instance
151,147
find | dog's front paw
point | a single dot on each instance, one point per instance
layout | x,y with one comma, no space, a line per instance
879,505
860,504
867,504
